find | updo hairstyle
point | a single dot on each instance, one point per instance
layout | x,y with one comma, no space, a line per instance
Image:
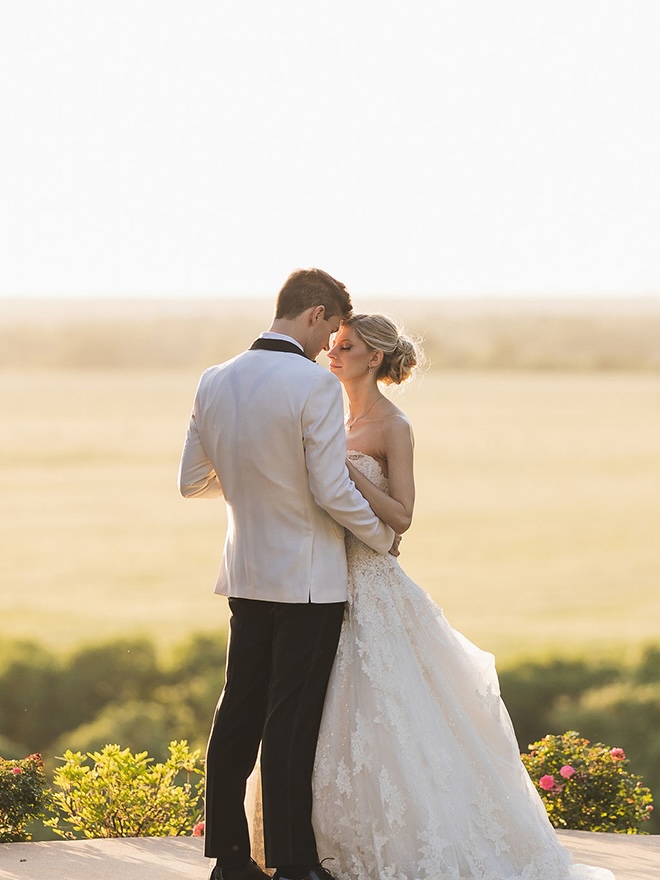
400,353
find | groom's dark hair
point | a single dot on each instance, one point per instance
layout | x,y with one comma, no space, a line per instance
306,288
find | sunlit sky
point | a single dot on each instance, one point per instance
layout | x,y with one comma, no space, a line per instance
197,148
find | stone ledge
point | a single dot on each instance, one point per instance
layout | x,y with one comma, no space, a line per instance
126,858
629,856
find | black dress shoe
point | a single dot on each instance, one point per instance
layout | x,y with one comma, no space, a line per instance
251,871
318,872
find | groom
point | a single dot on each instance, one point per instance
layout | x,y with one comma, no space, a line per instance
266,432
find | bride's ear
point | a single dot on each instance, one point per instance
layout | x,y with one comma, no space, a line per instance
376,359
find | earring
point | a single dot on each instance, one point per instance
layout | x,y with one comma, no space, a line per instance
371,369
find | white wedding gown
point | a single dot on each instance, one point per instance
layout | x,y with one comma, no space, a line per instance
418,774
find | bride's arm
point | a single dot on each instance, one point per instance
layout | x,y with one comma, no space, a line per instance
395,508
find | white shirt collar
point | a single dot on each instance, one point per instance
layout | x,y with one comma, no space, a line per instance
270,335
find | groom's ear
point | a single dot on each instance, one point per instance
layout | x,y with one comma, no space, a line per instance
318,314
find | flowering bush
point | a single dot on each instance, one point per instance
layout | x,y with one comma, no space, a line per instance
23,795
587,787
125,795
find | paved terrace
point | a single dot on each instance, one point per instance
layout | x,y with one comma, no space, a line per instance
630,857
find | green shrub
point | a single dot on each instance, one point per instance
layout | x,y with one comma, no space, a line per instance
42,696
587,787
197,674
532,689
146,725
96,676
647,670
11,749
28,693
200,654
46,700
125,795
23,796
627,714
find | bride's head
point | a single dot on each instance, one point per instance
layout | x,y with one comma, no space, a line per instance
389,354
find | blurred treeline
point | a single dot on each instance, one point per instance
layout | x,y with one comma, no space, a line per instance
118,691
538,335
122,692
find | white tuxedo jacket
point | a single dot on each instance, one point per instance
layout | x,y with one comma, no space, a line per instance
266,432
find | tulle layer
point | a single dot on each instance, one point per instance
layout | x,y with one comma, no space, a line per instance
418,773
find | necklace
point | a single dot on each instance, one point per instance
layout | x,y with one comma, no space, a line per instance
349,424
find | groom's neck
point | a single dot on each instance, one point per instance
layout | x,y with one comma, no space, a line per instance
293,327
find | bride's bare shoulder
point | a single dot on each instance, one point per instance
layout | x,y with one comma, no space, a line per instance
395,414
396,423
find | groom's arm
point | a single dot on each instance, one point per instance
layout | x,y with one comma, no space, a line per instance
197,476
325,453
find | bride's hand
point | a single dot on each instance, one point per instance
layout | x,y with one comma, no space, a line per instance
394,549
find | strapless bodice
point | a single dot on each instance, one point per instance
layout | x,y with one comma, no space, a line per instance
369,466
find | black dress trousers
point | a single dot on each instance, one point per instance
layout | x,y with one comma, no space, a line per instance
279,663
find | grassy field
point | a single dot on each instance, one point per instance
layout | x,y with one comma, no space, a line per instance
541,334
536,528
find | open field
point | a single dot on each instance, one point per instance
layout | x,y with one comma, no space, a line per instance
532,334
537,526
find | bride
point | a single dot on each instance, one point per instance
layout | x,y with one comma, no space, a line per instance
418,774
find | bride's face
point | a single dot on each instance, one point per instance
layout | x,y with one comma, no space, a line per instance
349,356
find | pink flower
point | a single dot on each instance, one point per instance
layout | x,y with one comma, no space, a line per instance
198,830
567,771
16,770
547,782
618,754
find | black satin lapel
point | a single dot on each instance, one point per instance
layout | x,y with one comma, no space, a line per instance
276,345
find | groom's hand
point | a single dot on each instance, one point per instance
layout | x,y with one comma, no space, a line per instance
394,549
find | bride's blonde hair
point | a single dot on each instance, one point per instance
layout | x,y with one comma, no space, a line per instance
401,354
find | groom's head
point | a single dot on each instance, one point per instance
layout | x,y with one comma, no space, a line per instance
307,288
310,308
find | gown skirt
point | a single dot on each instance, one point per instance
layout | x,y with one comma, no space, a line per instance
418,773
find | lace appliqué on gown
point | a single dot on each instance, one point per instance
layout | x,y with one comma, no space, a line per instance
418,774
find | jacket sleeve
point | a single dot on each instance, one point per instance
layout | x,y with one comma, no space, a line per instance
197,476
325,454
